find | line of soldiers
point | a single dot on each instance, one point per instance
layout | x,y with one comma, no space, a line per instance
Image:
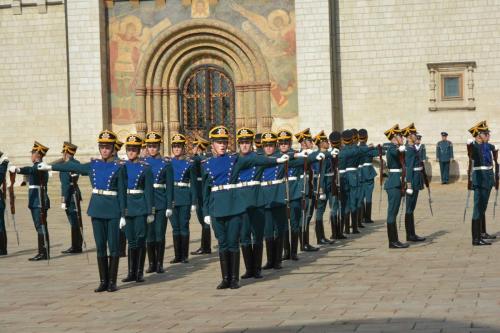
266,193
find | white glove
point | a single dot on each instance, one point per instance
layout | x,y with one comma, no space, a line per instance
469,141
168,213
302,154
330,149
63,206
150,218
14,169
207,220
123,223
4,158
322,197
193,208
402,149
309,151
495,147
335,151
282,159
409,191
320,156
44,166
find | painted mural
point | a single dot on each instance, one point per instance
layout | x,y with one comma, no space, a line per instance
270,23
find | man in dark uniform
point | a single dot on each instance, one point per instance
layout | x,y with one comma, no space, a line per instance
368,174
37,180
107,206
421,148
68,195
336,220
123,237
198,155
444,154
4,161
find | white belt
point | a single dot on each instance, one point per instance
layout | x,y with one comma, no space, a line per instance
351,169
135,191
367,164
34,187
475,168
295,178
360,166
159,185
199,179
181,184
223,187
104,192
329,174
342,171
395,170
247,184
418,169
272,182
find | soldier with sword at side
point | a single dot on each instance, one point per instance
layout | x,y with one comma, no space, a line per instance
3,232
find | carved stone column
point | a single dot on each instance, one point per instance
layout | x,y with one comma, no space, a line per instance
140,124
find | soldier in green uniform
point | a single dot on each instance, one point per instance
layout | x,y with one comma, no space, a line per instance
123,237
359,188
336,220
139,208
4,161
37,178
163,184
199,153
107,206
368,174
393,184
221,206
482,178
68,196
414,180
421,148
258,143
185,197
444,154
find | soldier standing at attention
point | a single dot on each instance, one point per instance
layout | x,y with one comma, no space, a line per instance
185,197
368,174
123,237
139,208
107,207
163,184
421,148
414,180
68,195
444,154
393,184
37,178
336,220
199,154
3,233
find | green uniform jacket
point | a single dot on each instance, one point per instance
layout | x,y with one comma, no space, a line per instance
482,157
3,173
34,180
139,177
67,189
392,157
367,154
348,159
412,161
444,151
185,172
162,174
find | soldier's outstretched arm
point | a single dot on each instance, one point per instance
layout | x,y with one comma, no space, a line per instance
70,166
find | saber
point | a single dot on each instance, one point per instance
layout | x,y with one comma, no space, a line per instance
495,204
430,201
469,178
403,208
12,203
381,175
497,177
43,215
427,184
318,187
77,198
466,204
304,202
287,193
402,161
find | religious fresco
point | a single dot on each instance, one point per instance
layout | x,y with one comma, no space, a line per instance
270,23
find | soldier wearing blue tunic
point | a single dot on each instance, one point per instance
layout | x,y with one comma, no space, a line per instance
393,185
368,174
221,205
163,184
123,236
185,197
107,206
199,154
481,153
444,154
3,233
36,179
68,196
414,180
139,208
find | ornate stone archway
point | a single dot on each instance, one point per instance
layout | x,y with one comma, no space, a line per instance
192,43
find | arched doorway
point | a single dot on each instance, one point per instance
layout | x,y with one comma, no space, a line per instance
206,100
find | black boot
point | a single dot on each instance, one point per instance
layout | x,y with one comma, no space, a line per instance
308,247
185,249
354,222
113,272
205,247
102,265
294,246
484,234
43,251
3,243
394,242
257,260
476,234
224,267
368,213
413,236
278,252
132,265
141,255
234,283
347,227
40,248
160,253
323,238
177,249
151,248
269,253
333,227
247,252
360,214
340,227
123,244
286,246
75,232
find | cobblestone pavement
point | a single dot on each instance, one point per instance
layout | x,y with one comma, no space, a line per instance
358,285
